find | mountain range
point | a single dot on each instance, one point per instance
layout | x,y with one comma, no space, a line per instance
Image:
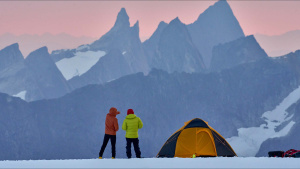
208,69
72,126
174,47
29,43
33,78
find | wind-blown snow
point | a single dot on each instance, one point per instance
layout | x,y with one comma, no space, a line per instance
78,64
56,52
21,95
249,140
82,47
216,162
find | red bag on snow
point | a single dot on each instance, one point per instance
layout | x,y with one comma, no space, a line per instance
292,153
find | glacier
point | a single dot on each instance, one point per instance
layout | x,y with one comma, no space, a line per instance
79,64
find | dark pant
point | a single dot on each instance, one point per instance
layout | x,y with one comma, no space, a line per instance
135,142
113,144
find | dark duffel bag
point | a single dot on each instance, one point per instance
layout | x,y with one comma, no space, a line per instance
297,155
276,153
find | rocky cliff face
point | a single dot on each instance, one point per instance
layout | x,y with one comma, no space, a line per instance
174,49
34,78
214,26
236,52
151,45
9,56
126,39
49,79
117,53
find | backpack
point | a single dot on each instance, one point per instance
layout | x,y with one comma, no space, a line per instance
276,154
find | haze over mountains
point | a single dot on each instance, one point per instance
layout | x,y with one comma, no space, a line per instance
208,69
29,43
280,44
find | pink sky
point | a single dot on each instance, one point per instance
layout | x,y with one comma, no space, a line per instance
95,18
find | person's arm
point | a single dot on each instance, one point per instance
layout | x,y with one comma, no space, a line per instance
124,125
116,124
140,124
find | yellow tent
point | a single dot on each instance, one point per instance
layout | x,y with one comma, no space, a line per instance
196,138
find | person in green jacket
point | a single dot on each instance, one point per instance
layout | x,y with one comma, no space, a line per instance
131,125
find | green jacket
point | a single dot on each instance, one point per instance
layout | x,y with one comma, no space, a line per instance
131,125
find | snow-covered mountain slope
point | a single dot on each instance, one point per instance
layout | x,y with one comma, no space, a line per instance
215,25
230,54
79,64
289,141
249,140
105,70
218,162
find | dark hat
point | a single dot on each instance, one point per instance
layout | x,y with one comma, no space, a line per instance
130,111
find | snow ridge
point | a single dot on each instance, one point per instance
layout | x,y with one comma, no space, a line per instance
21,94
249,140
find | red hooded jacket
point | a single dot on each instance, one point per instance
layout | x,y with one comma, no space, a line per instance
111,122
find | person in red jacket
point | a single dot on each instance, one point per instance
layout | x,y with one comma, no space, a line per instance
111,128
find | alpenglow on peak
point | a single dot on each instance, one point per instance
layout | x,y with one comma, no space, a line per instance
122,19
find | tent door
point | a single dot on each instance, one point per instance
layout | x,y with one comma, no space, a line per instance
198,141
205,143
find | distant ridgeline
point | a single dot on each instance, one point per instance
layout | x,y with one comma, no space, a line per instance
173,47
207,69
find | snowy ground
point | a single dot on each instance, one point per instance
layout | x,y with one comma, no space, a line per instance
218,162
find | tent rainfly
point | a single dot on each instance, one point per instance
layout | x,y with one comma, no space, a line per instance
196,139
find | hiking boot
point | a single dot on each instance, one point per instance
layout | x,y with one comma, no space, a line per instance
113,158
100,157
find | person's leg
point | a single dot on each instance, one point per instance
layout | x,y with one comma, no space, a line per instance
136,147
105,141
128,147
113,139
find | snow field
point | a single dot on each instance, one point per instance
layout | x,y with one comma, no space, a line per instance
78,64
214,162
21,94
